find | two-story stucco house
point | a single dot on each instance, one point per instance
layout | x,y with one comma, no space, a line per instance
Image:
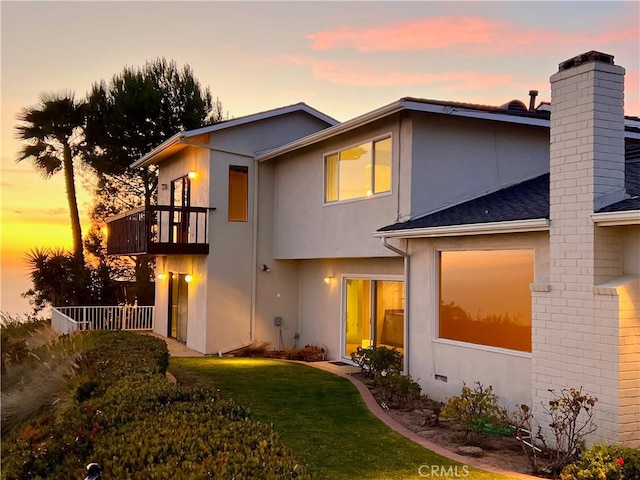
491,244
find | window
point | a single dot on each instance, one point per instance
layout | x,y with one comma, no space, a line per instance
358,172
373,314
238,193
180,200
485,297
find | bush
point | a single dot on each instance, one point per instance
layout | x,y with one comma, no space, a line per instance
374,360
571,412
476,411
310,353
399,391
605,462
130,419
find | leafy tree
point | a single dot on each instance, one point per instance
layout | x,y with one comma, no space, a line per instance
136,111
60,279
128,116
53,133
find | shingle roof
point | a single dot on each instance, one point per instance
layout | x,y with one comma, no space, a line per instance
527,200
631,182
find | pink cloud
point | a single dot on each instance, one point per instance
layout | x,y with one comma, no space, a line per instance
466,34
346,74
422,34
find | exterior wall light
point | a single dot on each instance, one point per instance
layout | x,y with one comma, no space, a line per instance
162,276
328,278
191,175
188,278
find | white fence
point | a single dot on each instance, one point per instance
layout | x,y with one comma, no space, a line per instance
121,317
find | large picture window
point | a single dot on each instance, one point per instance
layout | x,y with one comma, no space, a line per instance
485,297
358,172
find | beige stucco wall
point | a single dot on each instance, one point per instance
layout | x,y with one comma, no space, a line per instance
320,304
305,228
456,159
508,372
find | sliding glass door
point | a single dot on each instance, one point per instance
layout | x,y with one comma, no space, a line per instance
373,314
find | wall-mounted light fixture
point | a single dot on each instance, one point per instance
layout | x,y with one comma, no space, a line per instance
264,268
328,278
188,277
162,276
192,175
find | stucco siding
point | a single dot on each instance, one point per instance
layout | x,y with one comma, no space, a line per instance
509,372
307,228
458,159
321,303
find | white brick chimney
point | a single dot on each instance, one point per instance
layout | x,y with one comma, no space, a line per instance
576,322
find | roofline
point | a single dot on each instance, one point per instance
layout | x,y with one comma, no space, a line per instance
415,105
611,219
487,228
148,158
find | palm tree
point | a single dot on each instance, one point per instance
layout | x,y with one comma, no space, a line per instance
53,130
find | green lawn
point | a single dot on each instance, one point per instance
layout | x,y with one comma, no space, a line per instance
320,416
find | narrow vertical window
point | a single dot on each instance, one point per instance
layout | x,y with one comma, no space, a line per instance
238,193
382,172
331,178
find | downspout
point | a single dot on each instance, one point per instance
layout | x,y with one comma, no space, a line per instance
254,253
407,271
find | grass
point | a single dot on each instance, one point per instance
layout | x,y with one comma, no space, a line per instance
320,416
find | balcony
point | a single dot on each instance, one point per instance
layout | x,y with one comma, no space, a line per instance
159,230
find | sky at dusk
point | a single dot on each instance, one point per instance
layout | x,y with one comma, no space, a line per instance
342,58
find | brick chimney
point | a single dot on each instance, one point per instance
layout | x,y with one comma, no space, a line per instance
576,331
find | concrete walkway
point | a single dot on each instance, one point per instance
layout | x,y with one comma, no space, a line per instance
178,349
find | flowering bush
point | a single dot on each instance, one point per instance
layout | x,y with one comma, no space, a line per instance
605,462
373,360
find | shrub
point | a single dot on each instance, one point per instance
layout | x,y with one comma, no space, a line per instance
476,411
310,353
374,360
129,418
605,462
399,391
571,411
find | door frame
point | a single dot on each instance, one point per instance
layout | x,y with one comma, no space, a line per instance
343,306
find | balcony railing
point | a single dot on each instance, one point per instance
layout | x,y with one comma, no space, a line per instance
159,230
118,317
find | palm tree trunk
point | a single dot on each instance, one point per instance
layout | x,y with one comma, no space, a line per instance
69,179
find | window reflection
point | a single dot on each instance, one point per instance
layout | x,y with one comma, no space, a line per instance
485,297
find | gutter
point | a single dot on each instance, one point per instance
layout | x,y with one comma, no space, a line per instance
407,271
517,226
254,254
611,219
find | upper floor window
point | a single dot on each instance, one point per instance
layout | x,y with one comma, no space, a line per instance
238,193
358,172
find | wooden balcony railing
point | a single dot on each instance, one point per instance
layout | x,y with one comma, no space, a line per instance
159,230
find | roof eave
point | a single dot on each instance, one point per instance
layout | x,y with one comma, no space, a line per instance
150,157
614,219
489,228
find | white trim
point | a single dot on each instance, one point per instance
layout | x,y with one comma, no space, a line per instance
516,226
397,106
607,219
343,305
486,348
179,137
